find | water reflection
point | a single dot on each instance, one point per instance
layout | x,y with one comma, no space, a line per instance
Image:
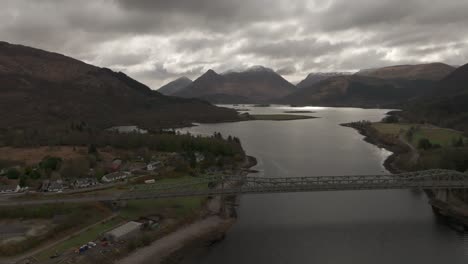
390,226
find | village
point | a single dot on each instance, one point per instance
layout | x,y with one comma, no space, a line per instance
54,233
106,173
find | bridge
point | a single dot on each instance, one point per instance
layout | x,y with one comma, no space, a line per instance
233,185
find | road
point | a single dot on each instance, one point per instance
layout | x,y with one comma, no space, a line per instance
414,154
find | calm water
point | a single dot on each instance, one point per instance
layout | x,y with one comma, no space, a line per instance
328,227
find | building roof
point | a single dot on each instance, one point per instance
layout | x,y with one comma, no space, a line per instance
8,187
124,229
115,175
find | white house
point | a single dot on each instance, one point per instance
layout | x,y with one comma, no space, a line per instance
85,182
115,176
13,188
199,157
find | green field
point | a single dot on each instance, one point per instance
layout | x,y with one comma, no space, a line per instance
76,241
174,207
280,117
436,135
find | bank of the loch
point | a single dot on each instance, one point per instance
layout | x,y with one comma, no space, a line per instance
450,209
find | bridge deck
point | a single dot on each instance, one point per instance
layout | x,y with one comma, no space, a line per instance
230,185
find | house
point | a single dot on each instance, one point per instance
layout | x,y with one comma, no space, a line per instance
55,186
52,186
116,165
11,188
45,185
135,166
124,231
199,157
85,182
153,165
115,176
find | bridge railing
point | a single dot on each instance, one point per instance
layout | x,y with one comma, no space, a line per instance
433,179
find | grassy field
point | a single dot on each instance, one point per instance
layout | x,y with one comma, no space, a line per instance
73,218
280,117
436,135
174,208
76,241
299,112
177,209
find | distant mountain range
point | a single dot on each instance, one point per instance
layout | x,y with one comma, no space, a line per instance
358,91
175,86
367,88
316,77
446,105
40,88
429,71
254,85
371,88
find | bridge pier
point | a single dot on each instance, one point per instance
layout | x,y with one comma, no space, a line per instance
442,195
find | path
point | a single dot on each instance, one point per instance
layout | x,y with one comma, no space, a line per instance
414,154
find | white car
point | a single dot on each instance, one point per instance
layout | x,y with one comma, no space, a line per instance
91,244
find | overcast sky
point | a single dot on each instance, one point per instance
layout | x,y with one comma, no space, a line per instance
155,41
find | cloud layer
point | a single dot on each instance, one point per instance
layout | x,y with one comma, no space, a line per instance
156,41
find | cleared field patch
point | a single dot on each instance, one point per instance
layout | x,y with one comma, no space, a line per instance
441,136
391,129
280,117
436,135
91,234
176,208
62,219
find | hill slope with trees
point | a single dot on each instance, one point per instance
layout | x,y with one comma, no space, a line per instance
40,88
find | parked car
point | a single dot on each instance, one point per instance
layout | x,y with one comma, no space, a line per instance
91,244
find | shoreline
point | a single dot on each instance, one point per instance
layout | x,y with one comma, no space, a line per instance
192,240
446,211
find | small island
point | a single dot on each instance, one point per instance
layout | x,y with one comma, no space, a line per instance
299,112
274,117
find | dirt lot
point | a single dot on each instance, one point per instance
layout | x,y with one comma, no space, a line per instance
18,230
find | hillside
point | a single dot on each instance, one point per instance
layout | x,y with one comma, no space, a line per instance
430,71
255,85
358,91
316,77
40,88
175,86
446,106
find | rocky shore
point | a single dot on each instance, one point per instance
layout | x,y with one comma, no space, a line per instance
452,212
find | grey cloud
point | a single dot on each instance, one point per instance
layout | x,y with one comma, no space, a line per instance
286,71
187,37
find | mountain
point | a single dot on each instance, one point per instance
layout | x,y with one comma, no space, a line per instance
254,85
358,91
40,88
175,86
313,78
446,106
430,71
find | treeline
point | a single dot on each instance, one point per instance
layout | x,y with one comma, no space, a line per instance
161,141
